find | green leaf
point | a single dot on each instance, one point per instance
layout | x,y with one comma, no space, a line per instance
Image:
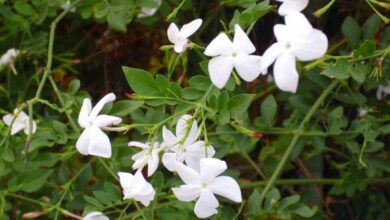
74,86
141,82
125,107
117,21
359,72
271,199
288,201
239,104
199,82
254,202
93,201
24,8
351,31
371,27
268,110
33,181
8,155
304,211
339,70
367,48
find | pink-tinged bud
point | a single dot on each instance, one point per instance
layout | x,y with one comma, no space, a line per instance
33,214
131,95
257,135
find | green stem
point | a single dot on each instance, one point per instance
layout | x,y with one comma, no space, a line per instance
62,102
48,68
295,139
331,181
253,164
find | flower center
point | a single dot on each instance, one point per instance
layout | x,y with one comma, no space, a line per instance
234,54
288,46
204,185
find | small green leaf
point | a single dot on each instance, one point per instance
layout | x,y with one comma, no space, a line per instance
371,27
125,107
304,211
254,202
117,21
141,81
74,86
340,70
268,110
271,199
351,31
288,201
239,104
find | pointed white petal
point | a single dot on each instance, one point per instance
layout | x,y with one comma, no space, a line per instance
285,73
138,144
248,66
221,45
206,205
86,108
169,160
227,187
153,163
181,45
220,69
190,28
27,126
16,127
290,6
99,106
282,34
8,119
99,143
210,168
83,142
187,174
173,33
169,138
106,120
187,193
125,179
311,47
95,216
298,25
241,41
146,198
270,55
183,129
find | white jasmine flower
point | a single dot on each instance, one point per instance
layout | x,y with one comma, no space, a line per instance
95,216
66,5
383,91
183,146
146,11
9,59
289,6
296,39
180,37
93,141
135,187
20,122
148,156
202,186
228,55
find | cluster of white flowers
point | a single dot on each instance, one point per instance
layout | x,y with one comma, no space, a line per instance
295,39
191,159
181,151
